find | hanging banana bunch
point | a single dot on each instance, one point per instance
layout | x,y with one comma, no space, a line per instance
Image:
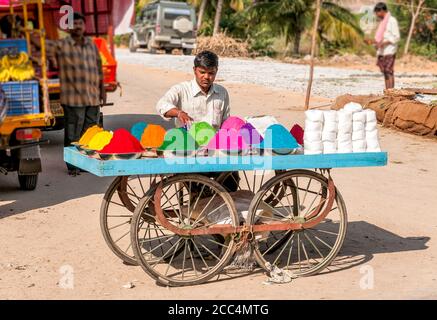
16,68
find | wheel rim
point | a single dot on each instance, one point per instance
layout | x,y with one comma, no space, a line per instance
305,252
117,210
175,260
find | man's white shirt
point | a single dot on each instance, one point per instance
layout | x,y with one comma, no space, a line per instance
392,35
187,96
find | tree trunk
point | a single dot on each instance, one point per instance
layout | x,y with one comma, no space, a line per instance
296,44
201,12
313,49
218,16
414,15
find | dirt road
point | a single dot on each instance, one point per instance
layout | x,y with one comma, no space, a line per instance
51,246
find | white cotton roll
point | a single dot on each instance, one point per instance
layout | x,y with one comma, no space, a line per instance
313,125
313,136
373,149
353,107
372,135
371,126
359,135
330,116
313,152
345,148
330,126
344,137
360,116
359,146
329,147
358,126
370,115
313,146
345,116
372,144
314,115
329,136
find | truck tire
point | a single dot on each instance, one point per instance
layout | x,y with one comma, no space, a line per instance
132,47
150,48
28,182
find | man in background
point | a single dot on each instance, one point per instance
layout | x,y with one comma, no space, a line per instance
81,79
386,41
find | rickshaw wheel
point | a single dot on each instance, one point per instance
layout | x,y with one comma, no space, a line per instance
116,211
305,252
175,260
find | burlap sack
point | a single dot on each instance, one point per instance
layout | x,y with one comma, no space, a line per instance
414,117
341,101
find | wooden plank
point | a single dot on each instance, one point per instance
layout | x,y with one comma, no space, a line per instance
114,168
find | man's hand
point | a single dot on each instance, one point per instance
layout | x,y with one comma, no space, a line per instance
184,117
103,95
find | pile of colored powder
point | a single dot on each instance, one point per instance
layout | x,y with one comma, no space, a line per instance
137,130
202,132
278,138
153,136
89,134
233,123
100,140
250,135
229,140
122,142
178,140
298,133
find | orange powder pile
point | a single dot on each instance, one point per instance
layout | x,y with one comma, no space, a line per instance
153,136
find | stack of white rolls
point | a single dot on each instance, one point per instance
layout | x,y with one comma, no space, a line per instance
345,126
372,139
329,132
359,131
313,132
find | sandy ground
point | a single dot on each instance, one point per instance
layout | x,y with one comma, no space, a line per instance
54,231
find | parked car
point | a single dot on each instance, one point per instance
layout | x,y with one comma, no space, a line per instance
165,25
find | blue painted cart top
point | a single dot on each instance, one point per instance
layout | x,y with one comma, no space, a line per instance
113,168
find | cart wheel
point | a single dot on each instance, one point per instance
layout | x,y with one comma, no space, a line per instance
116,212
250,181
305,252
175,260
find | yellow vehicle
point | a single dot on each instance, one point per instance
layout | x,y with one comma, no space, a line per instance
26,101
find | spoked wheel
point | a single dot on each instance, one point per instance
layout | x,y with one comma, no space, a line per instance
306,197
116,212
250,181
176,260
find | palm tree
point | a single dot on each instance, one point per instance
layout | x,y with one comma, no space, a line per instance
237,5
292,17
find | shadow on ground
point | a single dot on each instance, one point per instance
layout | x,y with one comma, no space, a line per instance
364,240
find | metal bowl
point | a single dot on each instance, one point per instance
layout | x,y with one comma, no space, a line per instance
120,156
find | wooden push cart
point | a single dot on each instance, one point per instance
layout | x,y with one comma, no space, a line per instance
183,226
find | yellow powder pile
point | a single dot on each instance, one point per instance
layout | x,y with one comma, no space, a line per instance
100,140
89,134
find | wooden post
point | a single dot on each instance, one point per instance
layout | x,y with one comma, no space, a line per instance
313,49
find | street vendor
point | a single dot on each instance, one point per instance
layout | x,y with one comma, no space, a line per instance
199,99
81,80
386,41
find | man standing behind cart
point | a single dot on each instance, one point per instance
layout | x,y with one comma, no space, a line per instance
199,100
81,79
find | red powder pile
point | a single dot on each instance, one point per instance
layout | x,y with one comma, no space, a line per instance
123,142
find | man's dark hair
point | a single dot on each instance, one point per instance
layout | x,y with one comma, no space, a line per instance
78,16
206,59
380,6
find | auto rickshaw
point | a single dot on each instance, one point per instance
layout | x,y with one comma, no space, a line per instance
26,102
